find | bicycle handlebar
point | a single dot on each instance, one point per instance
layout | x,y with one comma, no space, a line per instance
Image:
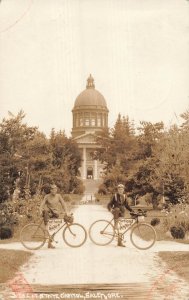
69,218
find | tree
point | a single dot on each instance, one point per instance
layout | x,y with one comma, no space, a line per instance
149,136
28,159
172,168
13,136
118,147
66,161
185,116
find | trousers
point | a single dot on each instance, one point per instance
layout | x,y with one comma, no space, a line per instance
49,214
118,212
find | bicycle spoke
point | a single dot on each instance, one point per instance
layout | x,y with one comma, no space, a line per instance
32,236
74,235
143,236
101,232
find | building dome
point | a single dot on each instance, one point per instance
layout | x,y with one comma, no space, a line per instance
90,112
90,96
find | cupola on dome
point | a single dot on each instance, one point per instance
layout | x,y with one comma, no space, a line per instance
90,96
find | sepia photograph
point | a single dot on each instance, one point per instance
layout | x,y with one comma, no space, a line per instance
94,149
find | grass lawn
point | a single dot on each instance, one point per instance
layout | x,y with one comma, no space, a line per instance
10,261
177,261
162,227
11,240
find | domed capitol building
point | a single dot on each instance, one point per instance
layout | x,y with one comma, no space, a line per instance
90,117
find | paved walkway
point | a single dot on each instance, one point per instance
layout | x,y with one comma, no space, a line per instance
92,264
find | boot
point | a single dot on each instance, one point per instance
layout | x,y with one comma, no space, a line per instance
120,242
50,245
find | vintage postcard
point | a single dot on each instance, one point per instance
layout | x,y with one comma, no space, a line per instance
94,161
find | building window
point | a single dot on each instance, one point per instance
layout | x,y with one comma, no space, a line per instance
93,120
99,120
87,119
80,119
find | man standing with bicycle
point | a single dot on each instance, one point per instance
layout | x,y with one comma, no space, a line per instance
52,207
118,205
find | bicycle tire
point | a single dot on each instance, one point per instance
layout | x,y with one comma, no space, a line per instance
143,236
29,239
98,235
74,235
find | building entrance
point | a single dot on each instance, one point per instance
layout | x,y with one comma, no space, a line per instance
89,173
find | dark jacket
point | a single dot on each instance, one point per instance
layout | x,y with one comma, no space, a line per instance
118,201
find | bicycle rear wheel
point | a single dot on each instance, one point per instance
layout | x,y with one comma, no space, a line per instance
74,235
101,232
32,236
143,236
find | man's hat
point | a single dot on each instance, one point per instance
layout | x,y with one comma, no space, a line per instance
121,186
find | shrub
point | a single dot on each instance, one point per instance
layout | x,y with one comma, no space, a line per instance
2,219
155,221
185,225
4,191
173,231
102,190
5,233
80,188
177,232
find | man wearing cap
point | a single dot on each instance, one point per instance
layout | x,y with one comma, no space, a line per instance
51,207
118,205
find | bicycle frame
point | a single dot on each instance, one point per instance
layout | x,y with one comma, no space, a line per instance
54,233
119,221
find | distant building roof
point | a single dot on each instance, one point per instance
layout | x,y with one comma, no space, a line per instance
90,96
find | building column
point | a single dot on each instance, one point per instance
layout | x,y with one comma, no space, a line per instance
84,163
95,169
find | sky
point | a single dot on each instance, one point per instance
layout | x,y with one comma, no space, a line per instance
136,50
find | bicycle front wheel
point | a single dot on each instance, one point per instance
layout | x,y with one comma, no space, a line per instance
101,232
32,236
74,235
143,236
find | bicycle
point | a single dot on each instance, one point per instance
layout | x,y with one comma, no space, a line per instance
33,236
142,235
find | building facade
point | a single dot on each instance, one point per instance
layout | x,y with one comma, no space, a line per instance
90,117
